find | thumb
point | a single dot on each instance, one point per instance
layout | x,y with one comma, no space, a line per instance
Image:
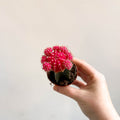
68,91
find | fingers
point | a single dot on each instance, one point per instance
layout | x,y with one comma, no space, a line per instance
85,71
79,84
67,90
70,91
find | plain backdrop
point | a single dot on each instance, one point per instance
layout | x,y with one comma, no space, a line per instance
89,28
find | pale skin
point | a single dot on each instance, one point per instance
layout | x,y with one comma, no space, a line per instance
92,94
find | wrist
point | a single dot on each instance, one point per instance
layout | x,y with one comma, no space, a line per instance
109,113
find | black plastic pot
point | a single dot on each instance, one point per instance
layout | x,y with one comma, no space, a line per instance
63,78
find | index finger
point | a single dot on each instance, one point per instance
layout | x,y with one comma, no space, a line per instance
85,71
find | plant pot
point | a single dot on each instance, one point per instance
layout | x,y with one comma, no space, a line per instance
63,78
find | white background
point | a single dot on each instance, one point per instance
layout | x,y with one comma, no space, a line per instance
89,28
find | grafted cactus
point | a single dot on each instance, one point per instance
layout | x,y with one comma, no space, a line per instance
57,62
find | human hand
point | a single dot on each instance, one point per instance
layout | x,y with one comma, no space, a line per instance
91,95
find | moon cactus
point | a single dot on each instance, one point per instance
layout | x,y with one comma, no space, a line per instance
57,62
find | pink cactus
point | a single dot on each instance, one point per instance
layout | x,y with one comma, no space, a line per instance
48,51
46,66
68,64
56,59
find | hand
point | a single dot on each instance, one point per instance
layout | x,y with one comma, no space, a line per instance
91,95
